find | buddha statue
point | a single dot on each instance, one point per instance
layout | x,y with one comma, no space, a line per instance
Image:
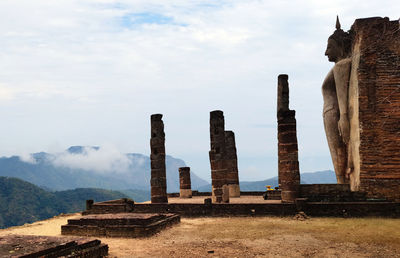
335,93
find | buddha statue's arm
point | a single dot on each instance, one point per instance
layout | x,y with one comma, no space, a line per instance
341,73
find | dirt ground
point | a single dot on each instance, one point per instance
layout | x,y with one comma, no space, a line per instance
250,237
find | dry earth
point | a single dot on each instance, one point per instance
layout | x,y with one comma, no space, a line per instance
251,237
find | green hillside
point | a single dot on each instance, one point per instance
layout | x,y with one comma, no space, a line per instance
22,202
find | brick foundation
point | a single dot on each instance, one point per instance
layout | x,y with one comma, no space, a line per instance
128,225
47,246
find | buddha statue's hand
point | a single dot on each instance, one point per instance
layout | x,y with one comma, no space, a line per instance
344,128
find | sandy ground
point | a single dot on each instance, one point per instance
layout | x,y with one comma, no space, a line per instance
250,237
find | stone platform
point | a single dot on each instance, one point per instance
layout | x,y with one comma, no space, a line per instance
46,246
120,224
316,200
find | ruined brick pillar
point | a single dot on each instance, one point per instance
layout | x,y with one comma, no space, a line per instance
184,182
232,166
220,189
157,157
288,164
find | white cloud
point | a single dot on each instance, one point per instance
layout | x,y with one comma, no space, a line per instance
139,160
6,93
74,73
28,158
104,160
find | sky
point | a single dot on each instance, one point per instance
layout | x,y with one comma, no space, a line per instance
85,72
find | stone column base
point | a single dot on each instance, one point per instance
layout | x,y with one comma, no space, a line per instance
216,195
225,194
220,198
288,196
185,193
234,191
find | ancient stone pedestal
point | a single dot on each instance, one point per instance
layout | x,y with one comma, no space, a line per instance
120,224
288,167
220,189
231,162
185,190
157,157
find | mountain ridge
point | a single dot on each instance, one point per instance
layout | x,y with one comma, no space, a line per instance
317,177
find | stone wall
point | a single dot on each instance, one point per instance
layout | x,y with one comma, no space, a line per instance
332,209
374,96
330,193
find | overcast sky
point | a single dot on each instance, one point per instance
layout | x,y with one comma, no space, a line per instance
85,72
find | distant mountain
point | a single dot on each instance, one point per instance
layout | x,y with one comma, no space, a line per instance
137,195
81,167
319,177
22,202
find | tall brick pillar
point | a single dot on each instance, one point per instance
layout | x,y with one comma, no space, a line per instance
232,166
184,182
288,164
374,105
220,189
158,172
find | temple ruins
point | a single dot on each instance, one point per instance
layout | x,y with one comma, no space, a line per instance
158,173
288,164
361,116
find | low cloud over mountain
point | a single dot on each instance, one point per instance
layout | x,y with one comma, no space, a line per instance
87,166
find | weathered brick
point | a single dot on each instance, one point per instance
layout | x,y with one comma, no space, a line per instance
158,180
379,106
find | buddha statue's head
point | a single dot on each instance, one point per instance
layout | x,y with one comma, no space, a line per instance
339,44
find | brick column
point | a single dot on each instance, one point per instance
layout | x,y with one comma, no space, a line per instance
374,99
288,164
158,172
220,189
232,166
184,182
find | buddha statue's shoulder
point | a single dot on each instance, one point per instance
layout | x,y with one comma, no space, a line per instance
342,68
343,62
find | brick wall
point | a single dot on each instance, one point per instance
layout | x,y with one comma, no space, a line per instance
377,46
